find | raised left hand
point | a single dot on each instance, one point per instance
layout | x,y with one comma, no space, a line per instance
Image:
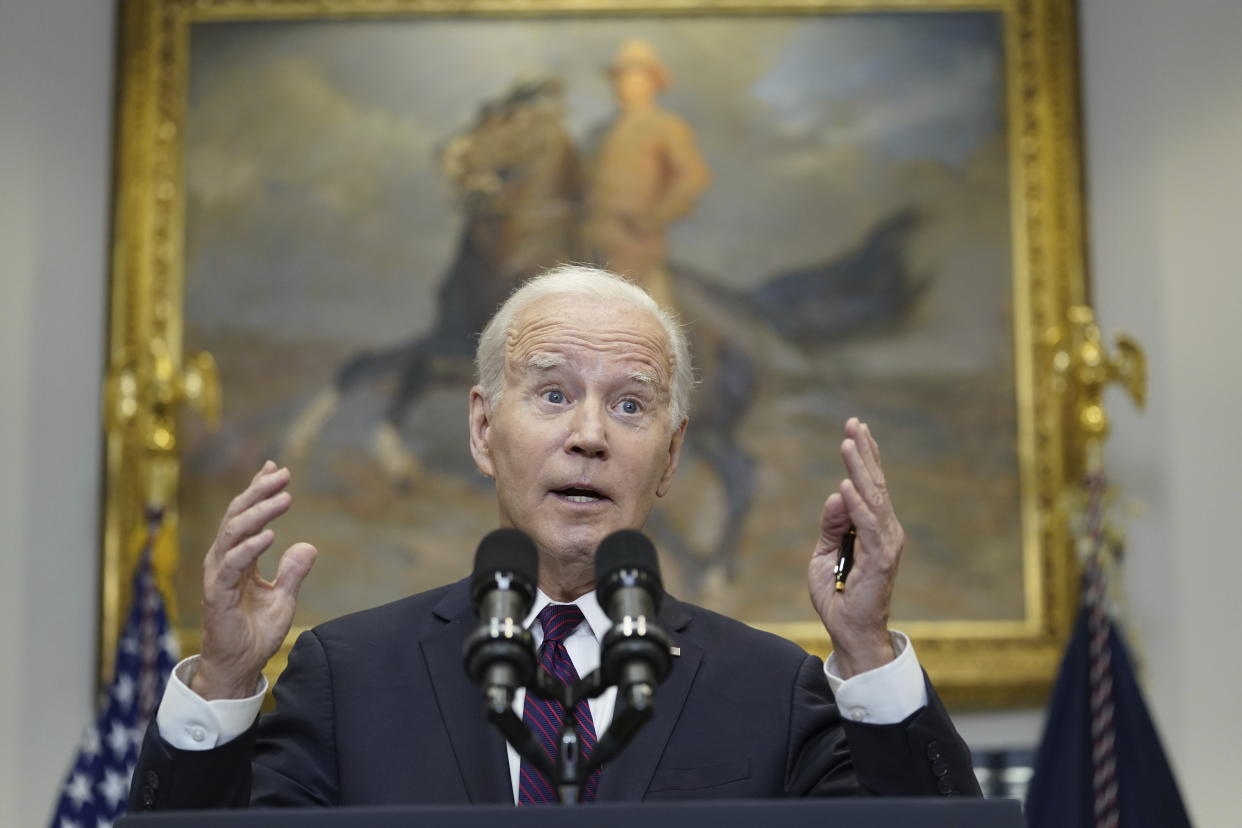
857,616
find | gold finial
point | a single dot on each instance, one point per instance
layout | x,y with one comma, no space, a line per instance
1083,368
143,396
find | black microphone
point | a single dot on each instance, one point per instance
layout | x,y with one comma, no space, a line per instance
500,654
635,654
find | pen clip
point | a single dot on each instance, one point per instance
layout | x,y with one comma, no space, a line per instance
845,557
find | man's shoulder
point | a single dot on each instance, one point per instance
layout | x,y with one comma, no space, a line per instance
731,638
408,616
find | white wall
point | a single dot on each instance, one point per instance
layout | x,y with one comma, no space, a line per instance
1164,141
1164,129
56,60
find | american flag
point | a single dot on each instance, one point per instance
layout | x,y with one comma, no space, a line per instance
97,786
1100,763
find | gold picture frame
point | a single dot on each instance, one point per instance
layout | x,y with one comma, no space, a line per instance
150,379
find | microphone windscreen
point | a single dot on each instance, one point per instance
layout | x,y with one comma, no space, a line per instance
505,550
626,549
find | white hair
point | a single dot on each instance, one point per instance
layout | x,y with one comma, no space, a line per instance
593,283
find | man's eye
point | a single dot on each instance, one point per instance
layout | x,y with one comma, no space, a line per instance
554,397
631,406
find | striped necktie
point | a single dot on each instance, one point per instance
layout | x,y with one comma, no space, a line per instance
544,716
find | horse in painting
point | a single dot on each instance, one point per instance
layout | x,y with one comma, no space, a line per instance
514,176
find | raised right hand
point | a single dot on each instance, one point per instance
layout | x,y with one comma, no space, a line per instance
245,618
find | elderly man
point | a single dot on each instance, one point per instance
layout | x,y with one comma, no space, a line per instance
579,415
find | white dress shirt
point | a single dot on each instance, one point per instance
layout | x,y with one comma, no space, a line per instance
885,695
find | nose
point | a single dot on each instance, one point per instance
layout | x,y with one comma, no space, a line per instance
588,431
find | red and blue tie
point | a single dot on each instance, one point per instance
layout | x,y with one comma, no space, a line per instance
544,716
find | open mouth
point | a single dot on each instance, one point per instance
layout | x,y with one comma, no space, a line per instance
580,494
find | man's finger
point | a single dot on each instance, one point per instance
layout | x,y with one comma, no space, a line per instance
237,562
265,484
870,451
294,566
833,522
861,516
267,468
871,491
242,526
872,545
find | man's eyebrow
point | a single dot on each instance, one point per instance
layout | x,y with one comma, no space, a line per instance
542,362
645,378
548,362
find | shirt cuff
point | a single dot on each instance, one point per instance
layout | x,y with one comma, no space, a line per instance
189,722
889,694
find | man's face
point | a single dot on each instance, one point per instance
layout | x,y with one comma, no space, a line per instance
633,85
582,442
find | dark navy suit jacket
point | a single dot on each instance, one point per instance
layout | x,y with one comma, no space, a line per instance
375,708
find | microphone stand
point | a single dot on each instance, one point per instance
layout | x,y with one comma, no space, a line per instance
498,704
634,708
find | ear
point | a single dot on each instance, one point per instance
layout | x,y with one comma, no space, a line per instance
481,431
674,454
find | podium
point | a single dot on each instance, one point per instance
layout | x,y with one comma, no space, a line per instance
799,813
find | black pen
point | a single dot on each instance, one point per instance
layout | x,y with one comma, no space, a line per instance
845,558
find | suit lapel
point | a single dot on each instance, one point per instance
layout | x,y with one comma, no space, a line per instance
629,775
478,747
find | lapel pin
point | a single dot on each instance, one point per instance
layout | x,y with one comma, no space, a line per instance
674,650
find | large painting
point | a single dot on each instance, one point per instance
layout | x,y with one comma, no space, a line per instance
832,202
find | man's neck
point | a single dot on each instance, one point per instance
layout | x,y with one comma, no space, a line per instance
564,584
638,106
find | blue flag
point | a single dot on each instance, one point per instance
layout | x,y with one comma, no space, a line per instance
1099,766
97,786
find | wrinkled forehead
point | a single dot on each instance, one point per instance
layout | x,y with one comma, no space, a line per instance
560,329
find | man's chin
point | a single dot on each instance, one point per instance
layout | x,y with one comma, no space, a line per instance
572,544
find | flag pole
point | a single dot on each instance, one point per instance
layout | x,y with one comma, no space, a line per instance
1100,760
